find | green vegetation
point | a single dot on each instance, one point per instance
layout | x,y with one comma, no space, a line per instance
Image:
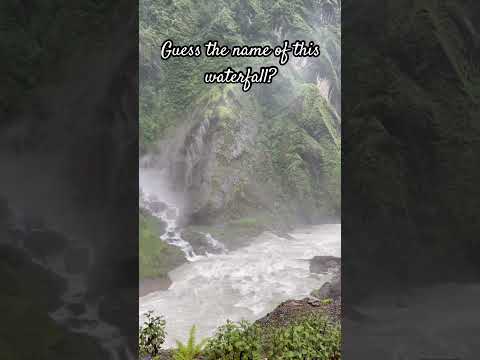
151,336
235,341
157,257
256,161
413,134
53,32
236,232
309,338
191,349
276,149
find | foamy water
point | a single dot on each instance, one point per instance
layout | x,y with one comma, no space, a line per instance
243,284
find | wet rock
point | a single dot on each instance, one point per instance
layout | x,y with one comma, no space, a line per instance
200,243
77,260
324,264
330,290
314,301
157,206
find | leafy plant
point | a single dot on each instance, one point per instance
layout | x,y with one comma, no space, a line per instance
235,341
151,335
190,350
313,338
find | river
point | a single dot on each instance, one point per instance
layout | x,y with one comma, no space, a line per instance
245,283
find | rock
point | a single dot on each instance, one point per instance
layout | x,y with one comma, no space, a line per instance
199,242
157,206
324,264
161,227
314,301
77,260
330,290
291,310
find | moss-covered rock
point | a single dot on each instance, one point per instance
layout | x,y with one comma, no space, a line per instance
274,150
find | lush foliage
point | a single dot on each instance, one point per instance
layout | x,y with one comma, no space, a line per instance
39,34
312,338
235,341
191,349
168,88
151,335
281,141
157,257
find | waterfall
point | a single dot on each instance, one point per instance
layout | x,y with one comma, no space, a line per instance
167,205
242,284
88,321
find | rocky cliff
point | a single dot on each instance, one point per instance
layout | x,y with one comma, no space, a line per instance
410,143
272,153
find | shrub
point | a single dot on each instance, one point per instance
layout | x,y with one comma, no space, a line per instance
190,350
234,341
151,335
313,338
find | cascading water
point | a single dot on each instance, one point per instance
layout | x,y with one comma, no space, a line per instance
165,205
242,284
87,322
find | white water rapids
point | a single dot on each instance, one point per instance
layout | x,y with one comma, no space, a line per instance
243,284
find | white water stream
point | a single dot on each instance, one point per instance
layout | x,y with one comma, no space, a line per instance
89,321
243,284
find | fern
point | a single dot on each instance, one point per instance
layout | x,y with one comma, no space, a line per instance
191,349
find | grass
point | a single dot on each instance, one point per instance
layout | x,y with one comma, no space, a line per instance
157,257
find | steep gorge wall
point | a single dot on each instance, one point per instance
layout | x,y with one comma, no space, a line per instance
411,144
271,153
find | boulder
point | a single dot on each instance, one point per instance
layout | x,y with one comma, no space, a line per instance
324,264
157,206
330,290
200,243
